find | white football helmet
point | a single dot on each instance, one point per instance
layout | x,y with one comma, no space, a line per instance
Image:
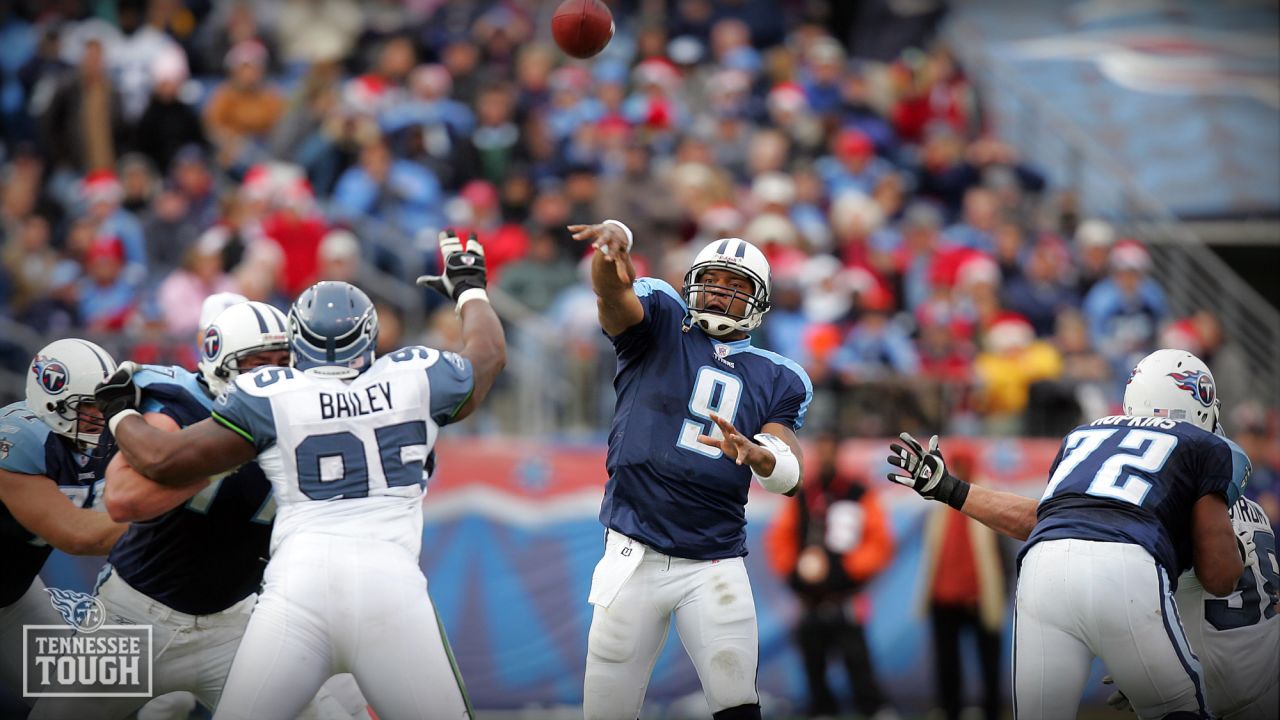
62,378
240,330
1173,384
743,258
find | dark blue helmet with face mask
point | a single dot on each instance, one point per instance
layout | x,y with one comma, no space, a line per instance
333,330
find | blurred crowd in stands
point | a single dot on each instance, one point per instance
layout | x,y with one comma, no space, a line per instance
157,151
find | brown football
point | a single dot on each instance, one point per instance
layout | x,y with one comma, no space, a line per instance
582,27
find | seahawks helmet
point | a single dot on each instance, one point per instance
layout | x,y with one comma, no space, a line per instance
333,330
1173,384
61,381
738,256
235,333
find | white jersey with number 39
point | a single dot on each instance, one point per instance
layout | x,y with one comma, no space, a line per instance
1237,637
349,457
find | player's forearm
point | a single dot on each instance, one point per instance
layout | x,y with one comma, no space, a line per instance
484,344
174,459
1006,513
131,497
94,534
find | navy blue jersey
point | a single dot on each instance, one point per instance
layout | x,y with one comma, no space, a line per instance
206,555
30,447
666,489
1135,480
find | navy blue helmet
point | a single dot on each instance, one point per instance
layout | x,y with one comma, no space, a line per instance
333,330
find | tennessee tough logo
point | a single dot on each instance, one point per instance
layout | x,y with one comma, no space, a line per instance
1198,383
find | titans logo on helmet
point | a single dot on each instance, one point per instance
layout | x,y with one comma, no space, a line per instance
212,342
1198,383
52,373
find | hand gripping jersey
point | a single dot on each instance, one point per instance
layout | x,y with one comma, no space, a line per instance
366,443
1237,637
28,446
207,554
666,489
1134,480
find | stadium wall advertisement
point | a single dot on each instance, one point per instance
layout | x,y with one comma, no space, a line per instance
511,538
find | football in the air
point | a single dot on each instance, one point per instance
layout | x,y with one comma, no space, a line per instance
582,27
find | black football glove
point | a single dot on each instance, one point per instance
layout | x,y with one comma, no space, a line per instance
463,266
926,472
118,392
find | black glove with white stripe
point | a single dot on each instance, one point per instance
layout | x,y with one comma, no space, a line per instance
926,471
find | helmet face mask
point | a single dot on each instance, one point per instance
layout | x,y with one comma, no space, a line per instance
742,259
241,330
60,385
333,330
1174,384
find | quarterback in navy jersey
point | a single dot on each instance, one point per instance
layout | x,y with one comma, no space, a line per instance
1131,503
700,412
51,451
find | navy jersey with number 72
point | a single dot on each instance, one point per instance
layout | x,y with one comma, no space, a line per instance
1134,480
666,489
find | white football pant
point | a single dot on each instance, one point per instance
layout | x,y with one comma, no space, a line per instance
191,654
715,617
1080,598
334,604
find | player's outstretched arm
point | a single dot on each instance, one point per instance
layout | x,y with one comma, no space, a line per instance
774,455
1215,551
612,274
925,471
178,459
38,505
483,343
131,496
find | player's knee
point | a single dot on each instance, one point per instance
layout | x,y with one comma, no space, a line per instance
741,712
729,679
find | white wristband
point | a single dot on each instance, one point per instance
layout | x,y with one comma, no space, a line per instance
626,230
786,466
467,296
115,419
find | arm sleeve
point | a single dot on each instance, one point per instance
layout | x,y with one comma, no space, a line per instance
1227,469
662,308
795,397
246,415
451,381
22,448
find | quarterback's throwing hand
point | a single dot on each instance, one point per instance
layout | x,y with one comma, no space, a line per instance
926,471
609,240
736,446
463,267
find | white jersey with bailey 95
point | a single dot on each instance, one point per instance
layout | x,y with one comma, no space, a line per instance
349,457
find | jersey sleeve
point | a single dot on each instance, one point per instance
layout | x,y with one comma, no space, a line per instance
22,446
247,415
1224,469
451,381
794,398
663,308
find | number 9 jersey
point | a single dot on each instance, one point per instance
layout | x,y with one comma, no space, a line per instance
349,458
666,489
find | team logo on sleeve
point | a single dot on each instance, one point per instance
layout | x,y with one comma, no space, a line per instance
5,447
212,342
52,374
1198,383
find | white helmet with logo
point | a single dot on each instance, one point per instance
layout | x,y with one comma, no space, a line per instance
62,377
239,331
1173,384
738,256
